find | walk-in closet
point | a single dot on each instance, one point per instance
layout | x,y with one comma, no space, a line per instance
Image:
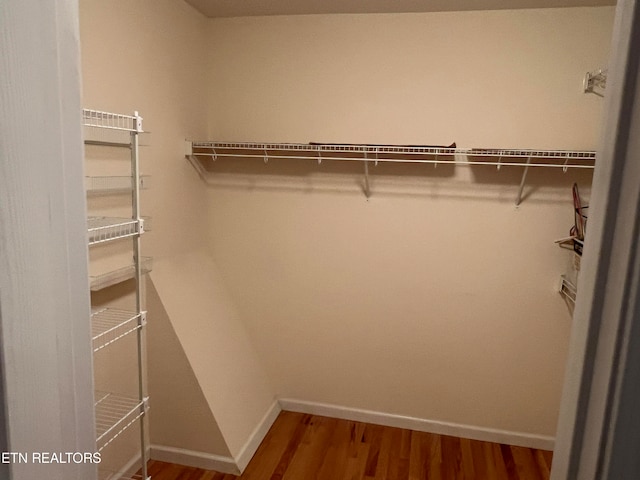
338,239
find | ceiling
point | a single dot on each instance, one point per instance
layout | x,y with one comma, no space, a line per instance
242,8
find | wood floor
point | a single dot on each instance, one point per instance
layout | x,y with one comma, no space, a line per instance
309,447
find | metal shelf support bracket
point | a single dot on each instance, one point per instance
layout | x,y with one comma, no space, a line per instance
595,82
145,405
522,182
138,122
367,186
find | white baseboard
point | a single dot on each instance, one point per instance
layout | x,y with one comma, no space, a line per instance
255,439
422,425
191,458
209,461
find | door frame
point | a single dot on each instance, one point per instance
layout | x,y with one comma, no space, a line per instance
599,428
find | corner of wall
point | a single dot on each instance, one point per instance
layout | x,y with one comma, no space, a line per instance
217,347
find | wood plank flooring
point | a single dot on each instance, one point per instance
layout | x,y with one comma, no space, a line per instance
309,447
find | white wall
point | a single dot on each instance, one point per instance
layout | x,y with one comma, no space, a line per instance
434,299
216,343
147,56
490,79
181,416
150,56
437,298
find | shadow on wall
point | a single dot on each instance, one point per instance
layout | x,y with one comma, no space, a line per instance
537,179
302,168
444,180
540,176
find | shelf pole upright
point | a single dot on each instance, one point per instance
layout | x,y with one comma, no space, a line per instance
135,198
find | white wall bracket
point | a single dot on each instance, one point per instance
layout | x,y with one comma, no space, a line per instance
596,82
367,185
524,178
142,321
568,289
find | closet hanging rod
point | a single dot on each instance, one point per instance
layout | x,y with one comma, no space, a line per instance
397,160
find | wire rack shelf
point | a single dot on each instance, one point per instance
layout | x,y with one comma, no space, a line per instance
373,154
108,279
114,414
568,289
108,325
105,229
564,159
112,121
105,185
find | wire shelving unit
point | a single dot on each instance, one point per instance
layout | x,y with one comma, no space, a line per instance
108,185
116,413
393,153
108,325
105,229
374,154
112,121
113,277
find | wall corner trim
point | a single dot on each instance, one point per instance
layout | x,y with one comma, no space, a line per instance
192,458
255,439
473,432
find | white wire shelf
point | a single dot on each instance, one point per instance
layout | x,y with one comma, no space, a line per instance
114,414
596,82
108,325
564,159
105,229
108,279
105,185
107,137
568,289
112,121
